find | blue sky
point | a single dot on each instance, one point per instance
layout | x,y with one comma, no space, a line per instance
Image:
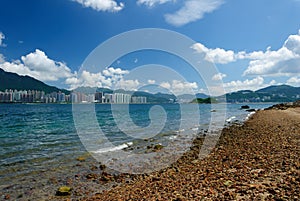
253,44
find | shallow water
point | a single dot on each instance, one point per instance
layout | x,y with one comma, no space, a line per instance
41,139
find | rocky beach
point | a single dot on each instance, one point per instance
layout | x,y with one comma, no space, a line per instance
255,160
259,160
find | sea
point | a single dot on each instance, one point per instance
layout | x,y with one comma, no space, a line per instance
41,141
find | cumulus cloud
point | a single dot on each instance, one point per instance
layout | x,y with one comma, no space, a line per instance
102,5
131,85
178,87
218,55
151,3
2,37
273,63
284,61
87,79
295,81
111,72
109,77
247,84
38,65
192,10
218,77
151,81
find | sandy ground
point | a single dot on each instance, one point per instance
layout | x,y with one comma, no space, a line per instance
259,160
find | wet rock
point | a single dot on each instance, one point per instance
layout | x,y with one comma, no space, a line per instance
102,167
80,159
64,191
251,110
245,107
7,197
158,147
91,176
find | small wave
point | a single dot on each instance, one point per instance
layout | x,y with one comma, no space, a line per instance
195,129
180,131
230,119
116,148
249,115
172,137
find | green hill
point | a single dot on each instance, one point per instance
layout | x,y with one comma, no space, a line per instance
14,81
280,93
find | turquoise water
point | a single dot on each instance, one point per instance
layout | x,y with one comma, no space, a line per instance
38,137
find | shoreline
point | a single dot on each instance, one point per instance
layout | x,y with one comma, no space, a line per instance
256,160
90,180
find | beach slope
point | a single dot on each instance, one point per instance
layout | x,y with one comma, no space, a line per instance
259,160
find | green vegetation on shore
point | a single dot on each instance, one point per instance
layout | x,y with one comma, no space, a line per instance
204,100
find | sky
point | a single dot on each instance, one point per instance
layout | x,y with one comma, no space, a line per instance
252,44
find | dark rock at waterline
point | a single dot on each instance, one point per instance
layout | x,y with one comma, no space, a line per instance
64,191
245,107
102,167
158,147
251,110
91,176
284,106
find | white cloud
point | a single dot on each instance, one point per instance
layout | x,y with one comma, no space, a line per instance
179,87
295,81
111,72
273,63
109,77
192,10
131,85
247,84
2,37
102,5
151,3
219,76
282,62
217,55
151,81
293,43
38,65
165,85
114,74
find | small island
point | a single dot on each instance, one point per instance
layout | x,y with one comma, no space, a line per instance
205,100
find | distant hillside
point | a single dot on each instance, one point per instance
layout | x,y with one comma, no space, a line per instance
284,90
204,100
280,93
14,81
186,98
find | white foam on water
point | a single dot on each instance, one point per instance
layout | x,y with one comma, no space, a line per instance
249,115
172,137
230,119
195,129
116,148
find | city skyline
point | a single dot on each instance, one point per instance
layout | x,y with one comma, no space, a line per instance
36,96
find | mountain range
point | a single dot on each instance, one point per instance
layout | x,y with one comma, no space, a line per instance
14,81
280,93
